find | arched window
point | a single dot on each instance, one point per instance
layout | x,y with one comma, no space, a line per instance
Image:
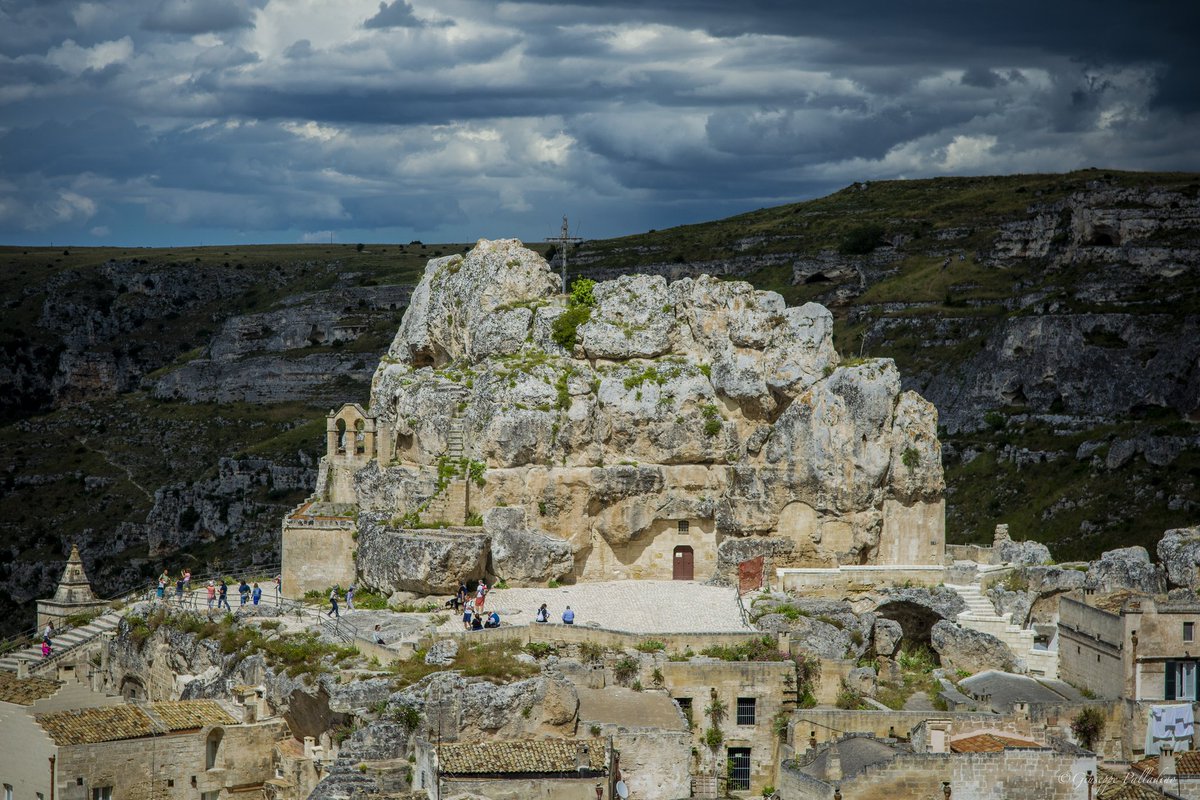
341,435
360,437
212,749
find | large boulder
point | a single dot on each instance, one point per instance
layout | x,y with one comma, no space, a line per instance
1179,554
424,562
1126,568
521,555
1049,580
1012,602
1022,553
965,649
887,636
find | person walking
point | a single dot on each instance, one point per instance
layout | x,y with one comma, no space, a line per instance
278,589
568,616
45,648
212,594
179,591
480,595
243,592
333,606
223,596
161,591
350,598
256,594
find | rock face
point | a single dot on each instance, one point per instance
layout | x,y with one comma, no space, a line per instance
888,634
1022,553
970,650
435,562
649,410
1179,554
1125,568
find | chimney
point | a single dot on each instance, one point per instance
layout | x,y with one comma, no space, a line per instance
1166,762
309,745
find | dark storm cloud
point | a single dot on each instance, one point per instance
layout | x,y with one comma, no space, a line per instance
199,16
459,118
398,14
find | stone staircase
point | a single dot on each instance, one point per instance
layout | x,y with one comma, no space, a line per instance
63,643
981,616
450,504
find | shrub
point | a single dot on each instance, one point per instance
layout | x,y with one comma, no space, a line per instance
564,331
594,730
540,649
1087,726
591,653
476,521
861,239
848,699
910,458
581,293
650,646
713,738
625,669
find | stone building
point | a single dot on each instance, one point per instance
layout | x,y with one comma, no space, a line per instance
556,769
177,750
1143,650
967,765
644,430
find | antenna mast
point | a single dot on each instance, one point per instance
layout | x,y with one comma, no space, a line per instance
562,240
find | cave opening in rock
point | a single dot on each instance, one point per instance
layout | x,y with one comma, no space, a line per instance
818,277
916,622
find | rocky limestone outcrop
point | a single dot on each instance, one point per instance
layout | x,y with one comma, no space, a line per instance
429,562
1125,568
522,555
1179,554
695,400
887,636
971,650
1025,553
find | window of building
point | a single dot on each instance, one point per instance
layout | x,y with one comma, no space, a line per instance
101,793
1189,631
1180,680
685,705
739,768
683,526
745,711
212,749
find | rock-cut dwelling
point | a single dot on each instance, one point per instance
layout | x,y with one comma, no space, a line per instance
644,429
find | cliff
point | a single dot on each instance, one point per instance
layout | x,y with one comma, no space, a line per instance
635,416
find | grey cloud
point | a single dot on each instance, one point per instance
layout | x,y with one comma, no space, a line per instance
983,78
301,48
397,15
191,17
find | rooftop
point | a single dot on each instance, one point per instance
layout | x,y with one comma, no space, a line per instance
1187,765
990,743
1003,689
535,756
1128,786
25,691
111,723
855,753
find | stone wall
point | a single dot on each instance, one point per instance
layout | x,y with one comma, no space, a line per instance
555,633
316,558
517,788
808,580
1089,648
162,767
25,754
830,723
913,533
770,684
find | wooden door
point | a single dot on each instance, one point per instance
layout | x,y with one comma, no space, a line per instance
683,567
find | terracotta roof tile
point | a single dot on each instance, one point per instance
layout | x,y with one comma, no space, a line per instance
1121,786
990,743
537,756
183,715
91,725
1187,764
108,724
25,691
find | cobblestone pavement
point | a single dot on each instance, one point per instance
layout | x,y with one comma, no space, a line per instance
635,606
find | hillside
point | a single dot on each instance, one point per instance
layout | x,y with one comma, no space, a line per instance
165,407
1053,319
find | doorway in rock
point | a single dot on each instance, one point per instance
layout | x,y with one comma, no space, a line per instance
683,564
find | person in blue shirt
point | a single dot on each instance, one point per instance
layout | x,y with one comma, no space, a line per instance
256,594
244,592
493,620
568,616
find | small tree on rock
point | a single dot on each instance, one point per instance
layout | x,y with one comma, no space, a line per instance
1087,726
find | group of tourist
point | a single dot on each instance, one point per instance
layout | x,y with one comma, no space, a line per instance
473,617
334,596
217,590
47,647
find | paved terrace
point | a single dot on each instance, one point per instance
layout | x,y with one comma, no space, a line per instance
634,606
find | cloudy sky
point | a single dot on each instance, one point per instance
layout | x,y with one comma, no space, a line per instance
168,122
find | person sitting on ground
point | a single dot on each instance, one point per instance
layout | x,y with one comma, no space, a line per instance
477,622
378,635
543,615
568,616
493,620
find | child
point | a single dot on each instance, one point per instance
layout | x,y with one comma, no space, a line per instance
466,618
257,594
